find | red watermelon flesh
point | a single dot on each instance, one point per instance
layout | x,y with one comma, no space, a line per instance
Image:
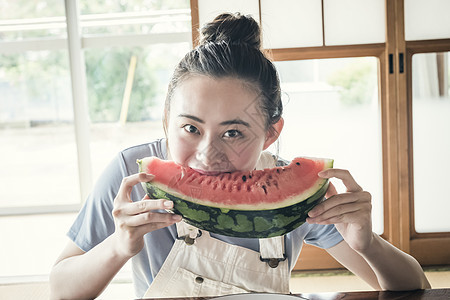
244,190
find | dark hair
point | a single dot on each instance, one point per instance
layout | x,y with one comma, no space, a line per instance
230,46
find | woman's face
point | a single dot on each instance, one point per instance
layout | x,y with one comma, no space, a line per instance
215,125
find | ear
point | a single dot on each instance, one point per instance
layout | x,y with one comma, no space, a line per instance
273,133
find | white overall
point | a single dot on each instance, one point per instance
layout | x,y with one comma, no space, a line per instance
199,265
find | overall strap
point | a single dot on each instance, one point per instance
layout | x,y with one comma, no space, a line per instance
272,247
272,250
187,232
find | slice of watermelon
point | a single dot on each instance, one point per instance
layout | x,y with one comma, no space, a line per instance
253,204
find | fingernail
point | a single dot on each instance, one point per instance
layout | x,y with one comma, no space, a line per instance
168,204
321,173
176,218
149,176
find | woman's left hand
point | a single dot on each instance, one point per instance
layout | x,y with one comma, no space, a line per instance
349,211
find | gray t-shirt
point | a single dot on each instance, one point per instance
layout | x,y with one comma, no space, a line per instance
95,223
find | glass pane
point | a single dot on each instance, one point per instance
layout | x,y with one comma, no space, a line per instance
138,17
291,23
24,19
38,152
354,22
331,110
431,140
16,257
209,9
117,6
426,20
24,9
49,232
107,71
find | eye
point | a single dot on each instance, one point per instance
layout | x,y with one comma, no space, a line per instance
233,133
191,129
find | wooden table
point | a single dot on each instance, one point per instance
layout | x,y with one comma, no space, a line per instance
371,295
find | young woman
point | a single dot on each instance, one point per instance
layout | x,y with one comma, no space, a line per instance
223,109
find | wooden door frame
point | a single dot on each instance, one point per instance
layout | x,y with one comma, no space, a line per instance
427,248
395,100
403,233
314,258
195,20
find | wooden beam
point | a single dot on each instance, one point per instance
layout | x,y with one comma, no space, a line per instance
127,93
390,133
325,52
195,20
428,46
431,251
404,129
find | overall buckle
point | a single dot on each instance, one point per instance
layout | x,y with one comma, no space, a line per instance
273,262
188,240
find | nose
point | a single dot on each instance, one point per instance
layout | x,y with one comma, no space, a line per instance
210,154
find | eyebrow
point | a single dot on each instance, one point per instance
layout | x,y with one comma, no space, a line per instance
229,122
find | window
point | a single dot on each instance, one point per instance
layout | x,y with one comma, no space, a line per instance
331,109
39,145
399,35
36,116
37,124
107,76
431,140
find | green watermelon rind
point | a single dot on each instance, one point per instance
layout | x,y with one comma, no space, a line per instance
241,223
194,193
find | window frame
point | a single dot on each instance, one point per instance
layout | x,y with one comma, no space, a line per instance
75,43
314,258
395,98
421,244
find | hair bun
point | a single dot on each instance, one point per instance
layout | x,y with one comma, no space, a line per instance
232,28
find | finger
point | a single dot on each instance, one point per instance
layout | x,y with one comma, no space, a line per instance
142,230
128,182
345,176
331,191
143,206
337,200
354,217
151,218
339,213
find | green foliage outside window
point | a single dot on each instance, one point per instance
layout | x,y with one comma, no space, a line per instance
42,78
355,82
106,73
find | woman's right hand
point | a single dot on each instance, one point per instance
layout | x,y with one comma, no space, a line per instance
134,219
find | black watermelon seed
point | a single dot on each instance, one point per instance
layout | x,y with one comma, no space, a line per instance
244,178
265,189
297,163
